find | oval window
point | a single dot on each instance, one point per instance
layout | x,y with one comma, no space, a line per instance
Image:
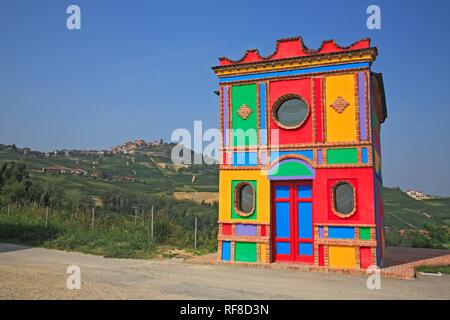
344,199
290,112
244,199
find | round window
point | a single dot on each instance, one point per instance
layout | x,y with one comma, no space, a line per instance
344,199
244,199
290,112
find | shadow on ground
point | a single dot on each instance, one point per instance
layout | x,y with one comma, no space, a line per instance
8,247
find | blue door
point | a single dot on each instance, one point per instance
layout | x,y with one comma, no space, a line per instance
293,239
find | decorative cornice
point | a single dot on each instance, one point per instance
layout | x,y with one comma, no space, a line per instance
294,47
291,53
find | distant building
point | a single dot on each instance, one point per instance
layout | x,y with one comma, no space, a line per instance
64,170
55,169
128,179
78,171
417,195
140,143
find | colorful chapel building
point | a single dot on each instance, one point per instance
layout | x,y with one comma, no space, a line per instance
300,174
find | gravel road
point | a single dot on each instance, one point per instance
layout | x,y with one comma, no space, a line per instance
36,273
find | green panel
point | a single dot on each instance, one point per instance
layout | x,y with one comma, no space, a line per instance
364,233
244,94
375,122
289,169
342,156
245,252
234,215
374,119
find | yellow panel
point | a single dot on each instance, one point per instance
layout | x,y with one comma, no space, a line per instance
342,257
340,126
262,198
377,161
263,253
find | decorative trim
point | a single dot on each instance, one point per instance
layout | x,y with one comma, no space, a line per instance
339,104
346,243
230,120
297,157
356,225
327,47
298,77
303,146
324,111
295,72
313,111
244,239
237,196
357,106
244,112
237,221
368,106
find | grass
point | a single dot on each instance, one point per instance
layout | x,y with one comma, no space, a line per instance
113,236
434,269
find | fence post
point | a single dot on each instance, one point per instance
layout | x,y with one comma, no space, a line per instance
46,218
152,223
93,217
195,234
135,215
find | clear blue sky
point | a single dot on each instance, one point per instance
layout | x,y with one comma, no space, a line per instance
139,69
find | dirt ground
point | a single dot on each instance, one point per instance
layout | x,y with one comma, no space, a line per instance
36,273
208,197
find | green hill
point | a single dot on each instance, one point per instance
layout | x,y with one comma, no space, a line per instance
150,168
403,212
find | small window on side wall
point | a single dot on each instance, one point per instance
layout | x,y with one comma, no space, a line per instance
244,199
344,199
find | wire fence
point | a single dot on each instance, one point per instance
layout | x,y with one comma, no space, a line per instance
158,227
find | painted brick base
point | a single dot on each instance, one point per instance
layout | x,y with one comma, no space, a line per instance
401,263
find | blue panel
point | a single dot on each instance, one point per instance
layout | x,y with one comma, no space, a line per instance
245,159
282,220
305,249
262,114
294,72
262,104
283,248
304,191
238,159
282,192
341,232
252,158
365,158
305,220
226,250
306,153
